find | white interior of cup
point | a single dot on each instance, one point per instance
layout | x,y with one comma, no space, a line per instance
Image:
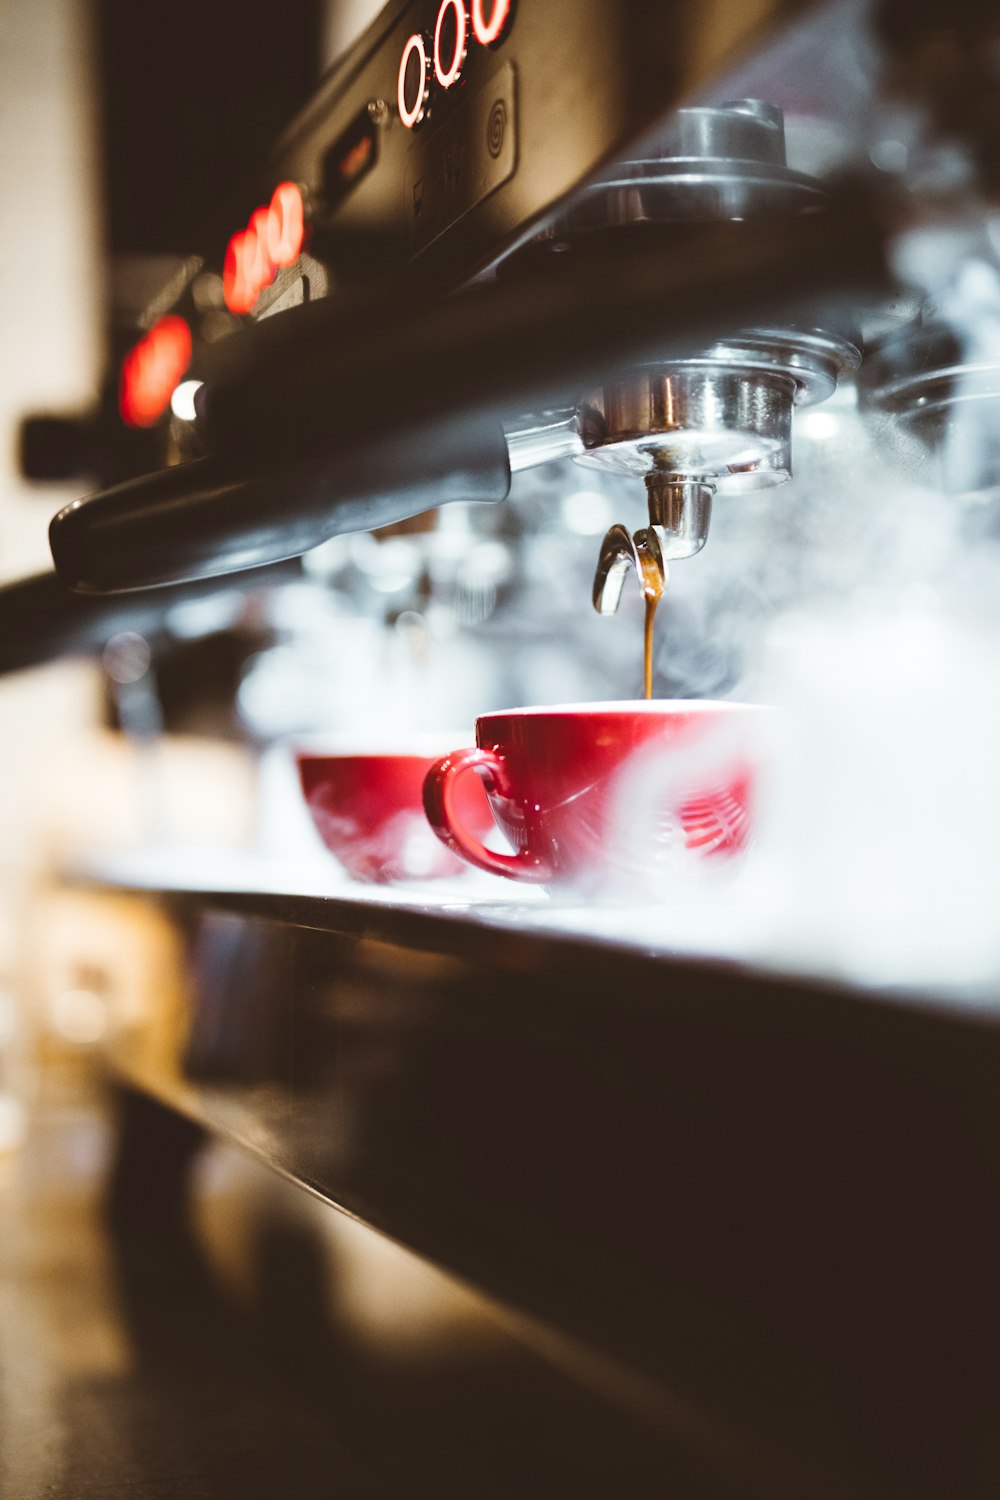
657,707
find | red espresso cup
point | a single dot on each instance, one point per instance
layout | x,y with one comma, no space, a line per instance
594,795
367,809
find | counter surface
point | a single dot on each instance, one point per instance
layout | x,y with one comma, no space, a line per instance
765,1208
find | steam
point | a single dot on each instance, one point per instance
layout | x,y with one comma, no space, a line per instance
879,807
860,602
865,609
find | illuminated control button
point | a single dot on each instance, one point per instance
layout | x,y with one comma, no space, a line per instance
274,237
414,84
237,284
451,37
286,224
490,29
152,370
261,266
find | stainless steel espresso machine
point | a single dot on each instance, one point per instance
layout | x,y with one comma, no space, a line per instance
757,1209
384,276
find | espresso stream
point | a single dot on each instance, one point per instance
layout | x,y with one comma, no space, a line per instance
652,590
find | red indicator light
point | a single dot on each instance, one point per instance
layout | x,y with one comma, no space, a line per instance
262,267
490,30
274,237
237,286
414,82
151,371
458,45
286,224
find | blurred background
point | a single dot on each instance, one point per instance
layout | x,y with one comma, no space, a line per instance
334,1357
863,597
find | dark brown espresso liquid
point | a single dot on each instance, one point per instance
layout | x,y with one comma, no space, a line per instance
652,590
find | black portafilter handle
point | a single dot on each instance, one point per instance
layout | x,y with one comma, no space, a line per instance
220,515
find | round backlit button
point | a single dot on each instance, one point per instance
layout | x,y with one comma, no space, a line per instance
285,224
414,83
490,29
452,34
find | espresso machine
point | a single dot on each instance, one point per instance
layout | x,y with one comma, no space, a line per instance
386,271
560,238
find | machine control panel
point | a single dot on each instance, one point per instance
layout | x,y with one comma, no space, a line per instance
433,148
473,153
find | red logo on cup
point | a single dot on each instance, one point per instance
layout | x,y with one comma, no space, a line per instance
273,238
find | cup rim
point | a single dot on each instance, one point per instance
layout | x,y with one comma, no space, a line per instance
656,707
427,745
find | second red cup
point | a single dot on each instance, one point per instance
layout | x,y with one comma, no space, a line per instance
367,808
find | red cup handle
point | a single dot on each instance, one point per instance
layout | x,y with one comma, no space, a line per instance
439,806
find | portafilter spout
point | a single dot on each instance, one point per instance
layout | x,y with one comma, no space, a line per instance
716,423
680,511
620,553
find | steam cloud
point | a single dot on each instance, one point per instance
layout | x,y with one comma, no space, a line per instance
865,607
